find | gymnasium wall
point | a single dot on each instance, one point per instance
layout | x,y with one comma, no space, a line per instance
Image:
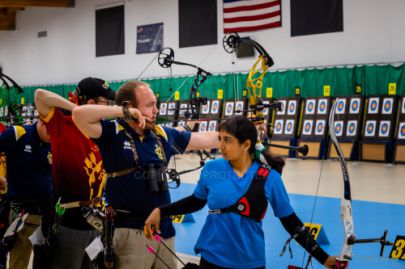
373,33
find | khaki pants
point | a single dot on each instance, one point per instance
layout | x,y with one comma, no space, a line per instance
129,245
21,252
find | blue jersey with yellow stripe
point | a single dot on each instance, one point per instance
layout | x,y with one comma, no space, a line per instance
129,192
28,163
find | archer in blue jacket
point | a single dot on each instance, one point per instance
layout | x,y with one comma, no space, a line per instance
28,157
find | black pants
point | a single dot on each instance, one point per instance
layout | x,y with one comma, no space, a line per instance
204,264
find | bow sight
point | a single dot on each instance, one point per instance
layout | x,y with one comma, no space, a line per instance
165,60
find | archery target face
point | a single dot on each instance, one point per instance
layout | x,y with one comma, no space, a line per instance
289,127
181,123
339,128
292,107
401,130
163,109
322,106
266,109
212,126
229,108
24,111
278,127
283,104
183,108
30,109
341,107
370,128
171,110
351,128
373,104
203,126
355,106
239,106
307,129
310,106
206,108
384,128
388,103
320,127
215,107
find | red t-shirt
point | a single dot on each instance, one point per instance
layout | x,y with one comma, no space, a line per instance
77,170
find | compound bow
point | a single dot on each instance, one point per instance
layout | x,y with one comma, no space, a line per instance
165,60
254,83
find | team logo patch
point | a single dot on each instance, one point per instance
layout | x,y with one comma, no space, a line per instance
28,148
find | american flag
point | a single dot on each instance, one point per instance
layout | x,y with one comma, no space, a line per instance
251,15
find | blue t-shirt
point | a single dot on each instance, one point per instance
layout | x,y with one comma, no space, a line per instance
229,239
28,163
130,192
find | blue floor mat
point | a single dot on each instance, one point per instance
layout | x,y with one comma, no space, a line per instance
370,220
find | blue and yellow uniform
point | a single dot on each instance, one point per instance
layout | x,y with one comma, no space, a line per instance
28,163
29,183
129,192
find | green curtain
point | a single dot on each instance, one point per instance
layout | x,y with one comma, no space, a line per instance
373,80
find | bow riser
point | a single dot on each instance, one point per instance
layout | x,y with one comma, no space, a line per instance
347,219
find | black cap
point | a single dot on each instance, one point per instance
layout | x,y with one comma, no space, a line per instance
91,88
